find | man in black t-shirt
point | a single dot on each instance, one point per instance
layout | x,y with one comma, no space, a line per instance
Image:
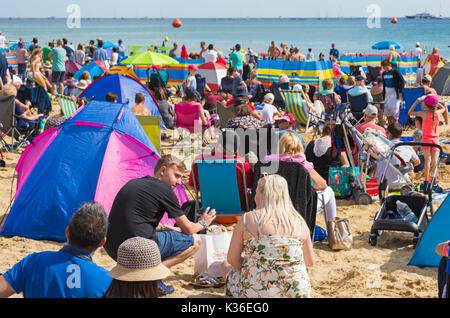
140,205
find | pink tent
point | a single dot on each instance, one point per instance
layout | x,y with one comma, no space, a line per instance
72,67
213,72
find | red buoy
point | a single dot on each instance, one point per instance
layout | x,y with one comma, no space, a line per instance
176,23
394,20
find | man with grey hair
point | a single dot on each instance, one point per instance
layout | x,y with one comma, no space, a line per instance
69,272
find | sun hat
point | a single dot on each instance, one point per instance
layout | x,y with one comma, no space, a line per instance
82,84
138,259
192,67
47,64
241,91
431,101
287,117
269,97
371,110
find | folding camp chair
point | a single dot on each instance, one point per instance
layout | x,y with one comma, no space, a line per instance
201,85
372,73
227,84
151,126
357,105
301,192
68,106
410,95
294,105
21,131
225,114
278,101
219,187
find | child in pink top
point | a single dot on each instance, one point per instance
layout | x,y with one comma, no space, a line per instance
430,134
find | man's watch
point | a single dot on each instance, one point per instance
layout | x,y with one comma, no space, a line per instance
203,223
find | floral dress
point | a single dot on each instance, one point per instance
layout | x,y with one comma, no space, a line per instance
273,267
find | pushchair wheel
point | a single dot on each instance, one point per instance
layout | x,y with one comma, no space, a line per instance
373,239
2,163
415,241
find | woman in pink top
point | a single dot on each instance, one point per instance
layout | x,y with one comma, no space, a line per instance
291,149
434,59
430,134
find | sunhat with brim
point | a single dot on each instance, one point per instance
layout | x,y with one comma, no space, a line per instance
82,84
431,101
287,117
47,64
138,259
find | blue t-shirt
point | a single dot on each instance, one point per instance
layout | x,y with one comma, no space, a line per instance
341,91
389,78
58,275
335,53
100,55
237,60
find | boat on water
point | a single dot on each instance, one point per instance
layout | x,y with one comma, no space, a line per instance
424,15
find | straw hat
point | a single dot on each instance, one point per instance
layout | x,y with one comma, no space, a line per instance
138,259
82,84
47,64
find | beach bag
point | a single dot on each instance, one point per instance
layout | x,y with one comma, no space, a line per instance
342,180
213,251
339,234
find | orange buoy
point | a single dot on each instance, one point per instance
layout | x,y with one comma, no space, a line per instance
394,20
176,23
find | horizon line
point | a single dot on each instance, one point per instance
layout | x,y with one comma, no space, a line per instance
232,18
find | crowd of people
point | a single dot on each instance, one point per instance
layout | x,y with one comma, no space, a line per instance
271,246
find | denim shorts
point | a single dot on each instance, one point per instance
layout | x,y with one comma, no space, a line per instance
171,243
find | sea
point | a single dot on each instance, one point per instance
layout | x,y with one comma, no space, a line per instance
351,35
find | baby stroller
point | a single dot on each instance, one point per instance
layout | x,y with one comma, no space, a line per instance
389,218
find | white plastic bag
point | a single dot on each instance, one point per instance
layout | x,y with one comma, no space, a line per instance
213,251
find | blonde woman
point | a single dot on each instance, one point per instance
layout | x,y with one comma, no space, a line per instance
35,69
276,246
291,149
394,57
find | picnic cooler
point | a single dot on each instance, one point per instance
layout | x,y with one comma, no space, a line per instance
213,251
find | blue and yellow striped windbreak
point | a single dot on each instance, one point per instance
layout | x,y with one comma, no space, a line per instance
294,105
312,73
407,64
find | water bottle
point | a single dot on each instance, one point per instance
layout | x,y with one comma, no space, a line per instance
404,210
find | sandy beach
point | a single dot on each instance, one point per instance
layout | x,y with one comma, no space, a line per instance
363,271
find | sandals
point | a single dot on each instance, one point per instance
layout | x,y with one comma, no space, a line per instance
206,280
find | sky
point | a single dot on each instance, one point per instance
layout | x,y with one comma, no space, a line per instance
221,9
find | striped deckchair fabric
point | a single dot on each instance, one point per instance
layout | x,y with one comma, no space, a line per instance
68,106
294,105
311,73
407,64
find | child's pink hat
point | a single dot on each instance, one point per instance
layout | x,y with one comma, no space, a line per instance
192,67
431,100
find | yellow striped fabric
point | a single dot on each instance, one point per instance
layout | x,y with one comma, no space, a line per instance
294,105
68,106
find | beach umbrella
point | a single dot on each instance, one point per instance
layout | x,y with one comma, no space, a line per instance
14,46
108,44
385,45
213,72
149,58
